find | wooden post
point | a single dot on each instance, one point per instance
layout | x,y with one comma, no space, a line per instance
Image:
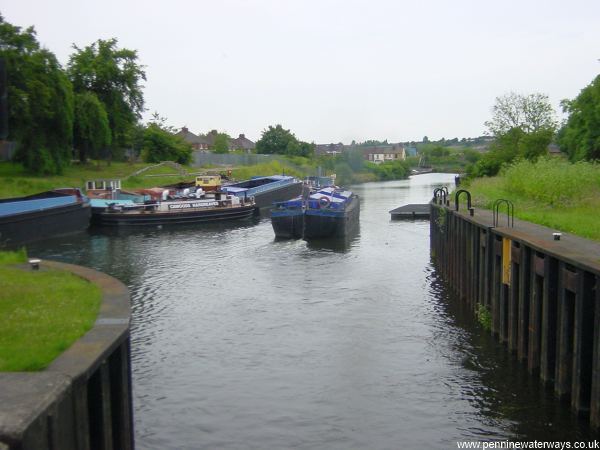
525,273
595,382
513,297
549,323
583,343
535,314
566,312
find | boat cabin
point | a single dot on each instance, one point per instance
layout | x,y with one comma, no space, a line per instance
103,188
208,182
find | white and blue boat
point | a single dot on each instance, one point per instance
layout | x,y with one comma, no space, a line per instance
329,212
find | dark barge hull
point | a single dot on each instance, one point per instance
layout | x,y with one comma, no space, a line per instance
327,223
145,218
18,229
288,226
289,191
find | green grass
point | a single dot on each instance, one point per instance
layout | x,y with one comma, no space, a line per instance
551,192
265,169
41,313
16,182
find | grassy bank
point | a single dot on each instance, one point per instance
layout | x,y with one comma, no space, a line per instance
41,313
551,192
16,182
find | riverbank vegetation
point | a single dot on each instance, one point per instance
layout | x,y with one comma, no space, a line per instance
561,192
17,181
41,312
550,191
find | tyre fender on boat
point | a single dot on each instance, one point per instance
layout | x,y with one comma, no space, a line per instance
324,202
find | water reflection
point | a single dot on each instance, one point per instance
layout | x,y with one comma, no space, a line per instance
242,341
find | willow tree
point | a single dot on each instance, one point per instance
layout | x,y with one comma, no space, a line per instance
40,101
91,130
114,75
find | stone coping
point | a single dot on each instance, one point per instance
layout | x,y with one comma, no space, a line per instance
26,396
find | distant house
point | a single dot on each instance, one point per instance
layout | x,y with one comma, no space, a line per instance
554,150
198,142
242,143
239,143
384,153
329,149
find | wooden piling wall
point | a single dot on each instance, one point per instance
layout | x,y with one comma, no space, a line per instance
542,294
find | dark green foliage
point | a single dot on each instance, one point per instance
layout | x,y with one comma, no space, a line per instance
511,145
91,130
274,140
40,101
438,152
277,140
471,156
114,76
580,136
161,145
221,143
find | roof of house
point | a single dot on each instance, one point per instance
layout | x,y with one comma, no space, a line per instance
190,137
322,149
554,149
243,142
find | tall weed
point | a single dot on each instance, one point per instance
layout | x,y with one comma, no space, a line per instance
552,181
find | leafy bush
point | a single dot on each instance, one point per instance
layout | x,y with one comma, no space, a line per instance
160,145
393,170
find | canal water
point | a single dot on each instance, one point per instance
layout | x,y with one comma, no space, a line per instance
240,341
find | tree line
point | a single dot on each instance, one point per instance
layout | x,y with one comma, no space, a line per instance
525,125
89,109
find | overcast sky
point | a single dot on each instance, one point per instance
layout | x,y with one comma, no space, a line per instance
334,70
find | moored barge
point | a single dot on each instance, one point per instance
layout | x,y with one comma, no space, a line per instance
331,213
212,207
40,216
326,213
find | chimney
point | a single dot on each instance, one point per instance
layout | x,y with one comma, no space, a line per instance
242,136
184,130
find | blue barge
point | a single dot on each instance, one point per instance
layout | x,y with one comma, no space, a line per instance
43,215
328,212
266,190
